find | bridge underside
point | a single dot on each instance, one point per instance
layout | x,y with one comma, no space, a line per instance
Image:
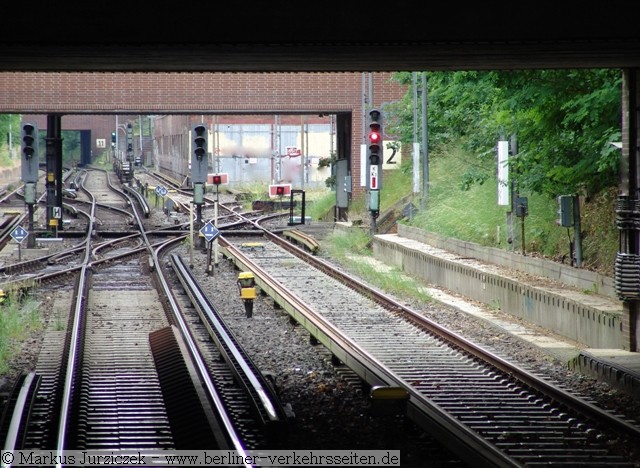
331,35
329,57
341,36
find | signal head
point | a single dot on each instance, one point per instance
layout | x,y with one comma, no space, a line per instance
375,134
200,141
29,139
199,152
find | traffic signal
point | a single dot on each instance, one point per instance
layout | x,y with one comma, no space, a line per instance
29,140
374,138
279,190
200,141
217,179
374,154
129,138
30,153
199,160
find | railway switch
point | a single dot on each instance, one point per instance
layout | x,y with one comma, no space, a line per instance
247,288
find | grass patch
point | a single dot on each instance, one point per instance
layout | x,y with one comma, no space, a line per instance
353,251
474,215
397,184
322,205
17,320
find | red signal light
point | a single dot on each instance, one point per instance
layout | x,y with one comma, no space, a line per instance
374,137
280,190
217,180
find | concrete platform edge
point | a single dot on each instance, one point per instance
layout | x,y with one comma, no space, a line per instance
602,365
618,368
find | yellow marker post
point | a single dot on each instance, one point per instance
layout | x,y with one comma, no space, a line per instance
246,286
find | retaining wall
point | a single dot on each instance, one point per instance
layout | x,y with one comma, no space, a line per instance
593,320
10,175
581,279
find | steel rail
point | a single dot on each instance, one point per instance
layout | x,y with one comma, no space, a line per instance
517,372
236,440
75,343
21,408
465,442
246,371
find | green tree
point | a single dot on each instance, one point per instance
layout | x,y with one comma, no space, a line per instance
565,121
9,123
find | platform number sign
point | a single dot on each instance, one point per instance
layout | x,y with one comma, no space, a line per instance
392,155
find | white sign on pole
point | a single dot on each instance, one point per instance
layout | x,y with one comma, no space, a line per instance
373,177
416,168
363,165
503,173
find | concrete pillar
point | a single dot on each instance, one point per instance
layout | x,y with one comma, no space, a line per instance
629,185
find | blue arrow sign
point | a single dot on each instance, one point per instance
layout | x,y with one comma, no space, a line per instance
210,232
19,234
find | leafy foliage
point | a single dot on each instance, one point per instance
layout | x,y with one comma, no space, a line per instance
564,121
9,123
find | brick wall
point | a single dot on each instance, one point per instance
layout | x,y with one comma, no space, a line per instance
81,97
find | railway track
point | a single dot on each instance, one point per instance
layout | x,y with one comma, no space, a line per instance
486,410
117,382
124,370
263,420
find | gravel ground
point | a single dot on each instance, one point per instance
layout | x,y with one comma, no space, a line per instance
307,380
332,412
